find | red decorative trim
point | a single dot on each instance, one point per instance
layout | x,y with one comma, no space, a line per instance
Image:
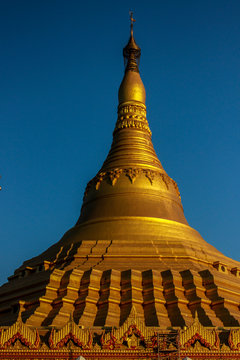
50,340
194,338
62,342
231,343
154,340
72,337
90,341
102,339
109,355
109,344
14,338
217,340
133,330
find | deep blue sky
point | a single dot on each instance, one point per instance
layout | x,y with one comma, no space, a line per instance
60,68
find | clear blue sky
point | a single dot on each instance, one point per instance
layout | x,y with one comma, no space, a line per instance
60,68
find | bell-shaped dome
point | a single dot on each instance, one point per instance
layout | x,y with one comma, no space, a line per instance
131,245
131,88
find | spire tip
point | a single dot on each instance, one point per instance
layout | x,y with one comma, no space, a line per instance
132,51
132,21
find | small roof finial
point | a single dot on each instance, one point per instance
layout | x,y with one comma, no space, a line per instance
131,52
132,21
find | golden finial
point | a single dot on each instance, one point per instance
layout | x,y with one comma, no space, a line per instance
131,52
132,21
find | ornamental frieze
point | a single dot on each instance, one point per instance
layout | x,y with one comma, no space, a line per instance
234,339
132,173
132,337
133,123
132,116
19,332
132,108
133,334
80,337
207,338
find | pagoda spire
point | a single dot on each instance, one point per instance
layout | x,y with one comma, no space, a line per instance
131,88
132,21
132,175
132,51
131,248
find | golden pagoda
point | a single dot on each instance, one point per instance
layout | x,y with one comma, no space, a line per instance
131,279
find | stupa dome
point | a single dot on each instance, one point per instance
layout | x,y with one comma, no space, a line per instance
131,247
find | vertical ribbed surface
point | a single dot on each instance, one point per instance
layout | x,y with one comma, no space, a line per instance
155,312
86,304
176,303
68,300
198,301
109,299
48,305
131,293
161,299
224,302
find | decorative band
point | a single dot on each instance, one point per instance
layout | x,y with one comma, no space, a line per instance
132,174
132,116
